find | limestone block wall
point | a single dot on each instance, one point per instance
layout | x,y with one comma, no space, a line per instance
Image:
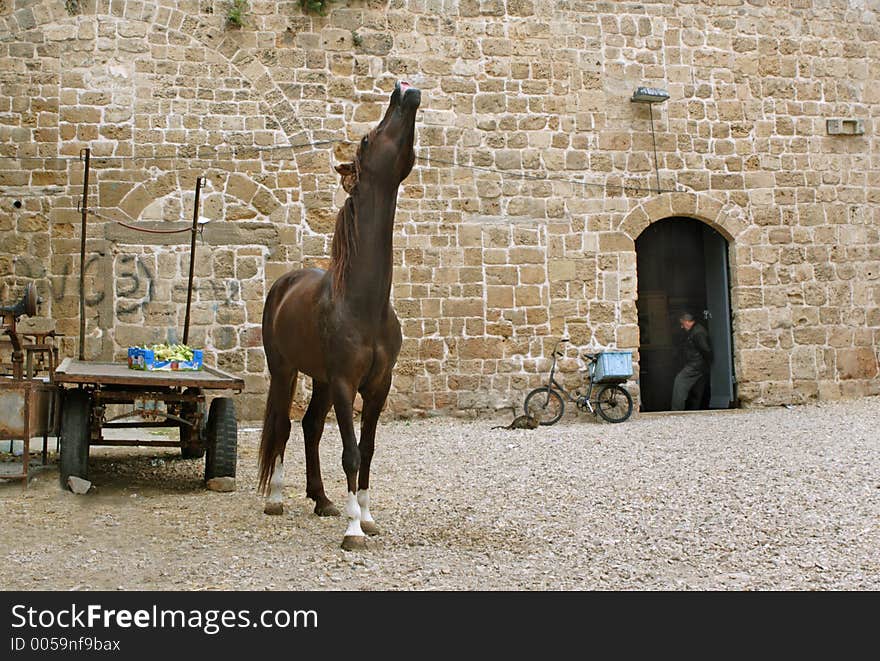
535,175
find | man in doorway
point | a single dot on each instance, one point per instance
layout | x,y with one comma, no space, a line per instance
690,382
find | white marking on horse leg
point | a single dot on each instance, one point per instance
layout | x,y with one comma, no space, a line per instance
363,498
353,512
276,485
367,524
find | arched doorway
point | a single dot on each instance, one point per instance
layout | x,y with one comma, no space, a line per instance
682,266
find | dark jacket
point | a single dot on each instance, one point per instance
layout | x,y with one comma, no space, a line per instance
697,351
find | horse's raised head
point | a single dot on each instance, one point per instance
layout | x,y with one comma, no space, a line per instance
386,153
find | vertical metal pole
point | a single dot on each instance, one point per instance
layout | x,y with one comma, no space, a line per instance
192,258
26,440
654,140
82,255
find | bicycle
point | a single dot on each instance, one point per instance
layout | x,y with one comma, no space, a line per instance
613,402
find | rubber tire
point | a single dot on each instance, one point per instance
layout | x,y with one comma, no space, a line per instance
76,411
614,391
192,448
554,400
222,439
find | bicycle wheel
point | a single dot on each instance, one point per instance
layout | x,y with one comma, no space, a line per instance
544,404
614,403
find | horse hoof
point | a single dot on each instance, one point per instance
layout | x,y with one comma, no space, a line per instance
354,543
326,509
370,527
273,508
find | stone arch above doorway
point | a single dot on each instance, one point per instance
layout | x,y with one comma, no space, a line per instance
727,219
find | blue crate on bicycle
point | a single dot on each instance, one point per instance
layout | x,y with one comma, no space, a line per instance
613,367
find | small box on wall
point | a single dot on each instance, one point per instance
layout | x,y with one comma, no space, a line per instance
845,126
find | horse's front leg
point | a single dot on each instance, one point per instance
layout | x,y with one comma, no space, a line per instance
343,400
373,403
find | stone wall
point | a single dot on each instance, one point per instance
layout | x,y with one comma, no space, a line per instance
535,174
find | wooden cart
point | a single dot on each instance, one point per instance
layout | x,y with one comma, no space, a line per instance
156,398
148,399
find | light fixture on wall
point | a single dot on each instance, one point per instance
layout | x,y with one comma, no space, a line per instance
651,95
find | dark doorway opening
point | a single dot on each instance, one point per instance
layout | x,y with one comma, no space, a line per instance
682,267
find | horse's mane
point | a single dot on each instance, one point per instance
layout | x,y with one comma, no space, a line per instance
344,245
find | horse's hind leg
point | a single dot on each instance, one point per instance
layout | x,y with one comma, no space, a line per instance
276,431
313,429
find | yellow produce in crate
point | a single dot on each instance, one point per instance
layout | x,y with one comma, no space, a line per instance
164,357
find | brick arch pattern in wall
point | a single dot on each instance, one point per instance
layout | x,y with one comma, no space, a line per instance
116,94
158,16
235,254
229,272
726,220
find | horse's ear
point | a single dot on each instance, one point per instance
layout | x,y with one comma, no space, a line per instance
349,176
345,169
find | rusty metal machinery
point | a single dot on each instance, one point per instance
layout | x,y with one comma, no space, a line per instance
26,306
28,403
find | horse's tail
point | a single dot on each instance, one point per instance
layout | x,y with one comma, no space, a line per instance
276,420
276,426
270,447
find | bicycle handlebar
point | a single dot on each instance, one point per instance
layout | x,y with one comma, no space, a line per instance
592,357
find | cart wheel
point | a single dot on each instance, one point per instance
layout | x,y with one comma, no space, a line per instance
544,404
614,403
222,439
192,439
76,410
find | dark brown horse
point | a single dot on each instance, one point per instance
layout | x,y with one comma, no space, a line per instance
338,326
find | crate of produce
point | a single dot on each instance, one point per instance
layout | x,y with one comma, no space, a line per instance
613,367
165,357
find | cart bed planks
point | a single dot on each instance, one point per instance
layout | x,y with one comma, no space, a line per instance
119,374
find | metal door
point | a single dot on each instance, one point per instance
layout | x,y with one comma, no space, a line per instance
717,319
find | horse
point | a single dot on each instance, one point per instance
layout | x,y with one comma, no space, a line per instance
338,326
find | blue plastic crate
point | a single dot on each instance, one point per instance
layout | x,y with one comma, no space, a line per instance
613,367
145,359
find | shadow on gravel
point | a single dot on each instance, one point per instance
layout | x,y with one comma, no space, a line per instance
121,473
155,473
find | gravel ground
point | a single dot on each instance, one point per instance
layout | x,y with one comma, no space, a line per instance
766,499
